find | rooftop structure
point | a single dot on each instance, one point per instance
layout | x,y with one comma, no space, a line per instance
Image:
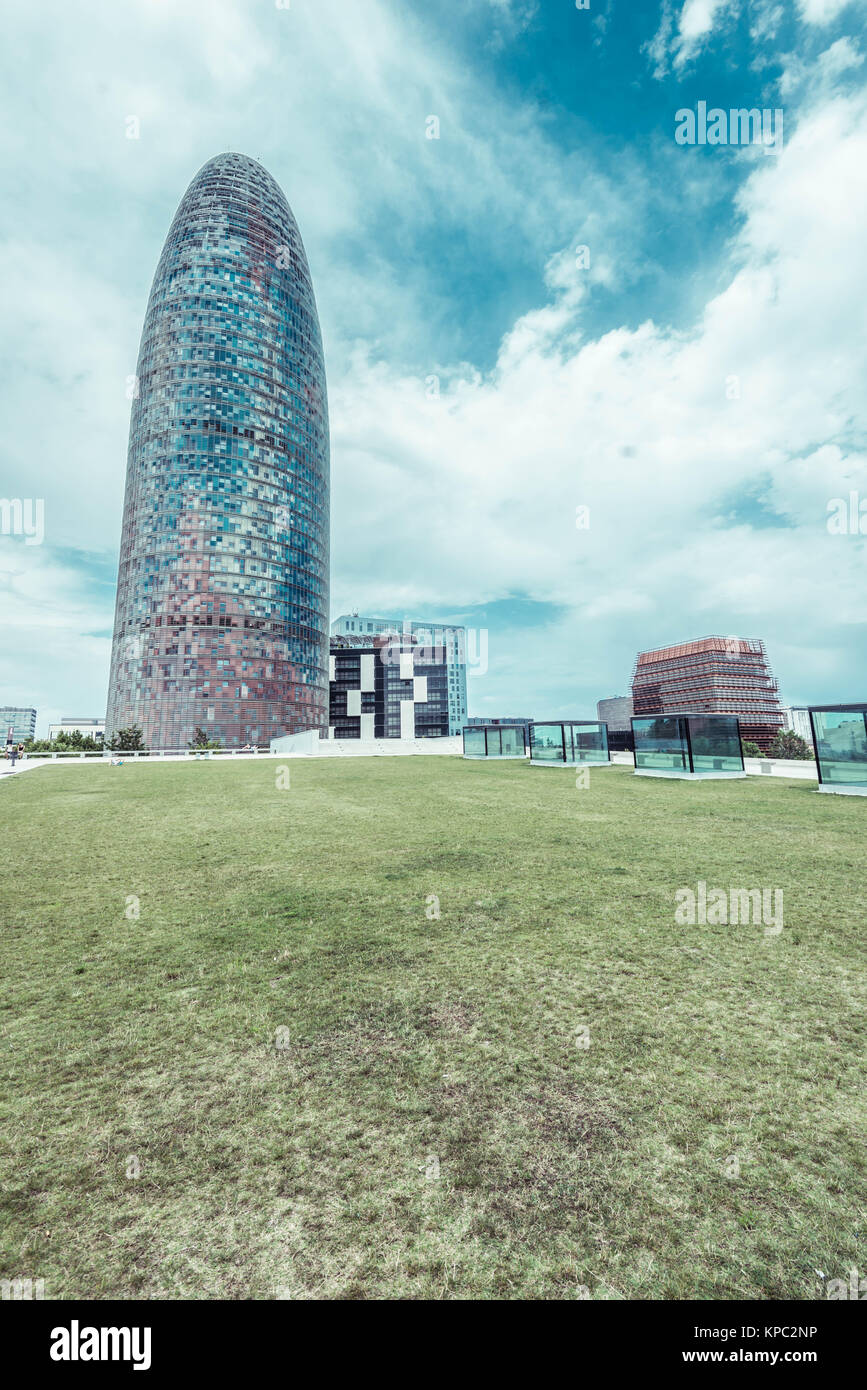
507,739
565,742
689,745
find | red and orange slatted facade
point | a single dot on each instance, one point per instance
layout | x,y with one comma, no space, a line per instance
712,675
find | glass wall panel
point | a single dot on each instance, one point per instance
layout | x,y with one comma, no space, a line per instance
716,745
660,743
474,743
841,745
590,743
512,740
546,743
494,741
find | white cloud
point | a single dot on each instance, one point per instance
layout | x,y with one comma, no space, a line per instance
766,20
821,11
820,74
680,40
697,19
475,494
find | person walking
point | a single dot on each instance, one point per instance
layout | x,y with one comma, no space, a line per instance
13,753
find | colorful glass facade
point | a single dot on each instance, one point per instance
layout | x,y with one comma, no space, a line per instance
222,604
713,675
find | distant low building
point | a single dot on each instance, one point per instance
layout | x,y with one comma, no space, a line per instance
476,722
387,687
21,720
94,728
616,712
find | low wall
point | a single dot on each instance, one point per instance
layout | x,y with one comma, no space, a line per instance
756,767
309,744
782,767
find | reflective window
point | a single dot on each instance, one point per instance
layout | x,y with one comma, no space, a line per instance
715,743
841,745
572,741
494,741
660,743
546,743
590,743
474,743
512,741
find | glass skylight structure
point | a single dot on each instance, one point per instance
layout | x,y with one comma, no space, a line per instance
222,603
495,741
688,745
840,743
564,742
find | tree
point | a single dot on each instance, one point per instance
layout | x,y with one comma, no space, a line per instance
129,740
788,744
74,742
752,750
200,740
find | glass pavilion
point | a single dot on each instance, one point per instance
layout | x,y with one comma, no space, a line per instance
565,742
688,745
840,741
495,741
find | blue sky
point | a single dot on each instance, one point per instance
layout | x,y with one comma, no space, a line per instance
699,385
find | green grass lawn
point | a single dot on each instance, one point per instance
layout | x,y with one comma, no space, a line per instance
427,1124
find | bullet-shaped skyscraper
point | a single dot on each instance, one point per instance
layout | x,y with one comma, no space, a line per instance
222,600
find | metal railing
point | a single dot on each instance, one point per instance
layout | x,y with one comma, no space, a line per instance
106,755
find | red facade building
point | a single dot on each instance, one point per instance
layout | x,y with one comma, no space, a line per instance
713,675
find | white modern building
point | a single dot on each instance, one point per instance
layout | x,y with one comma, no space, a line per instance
452,639
95,728
797,718
387,687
